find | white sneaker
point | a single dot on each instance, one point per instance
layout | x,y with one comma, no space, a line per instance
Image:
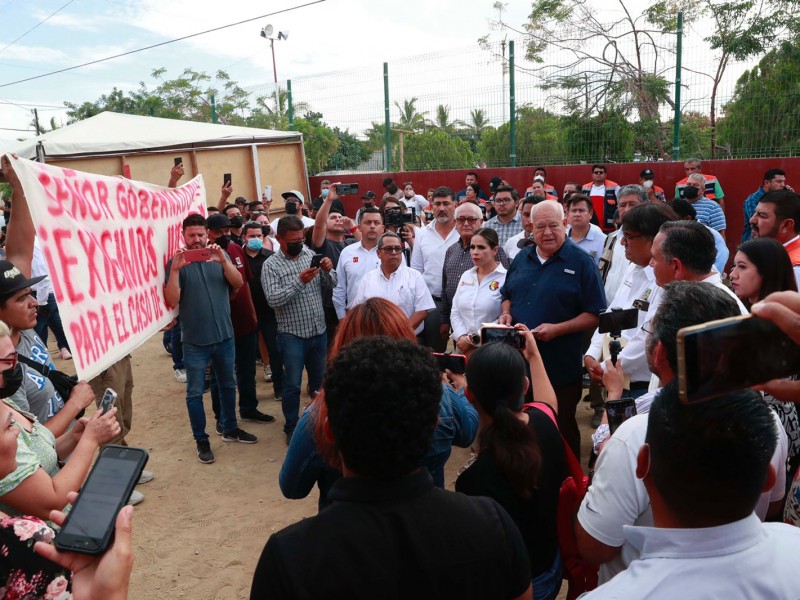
267,373
145,477
180,375
136,498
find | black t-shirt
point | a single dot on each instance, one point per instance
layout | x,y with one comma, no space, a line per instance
263,310
402,539
332,250
536,516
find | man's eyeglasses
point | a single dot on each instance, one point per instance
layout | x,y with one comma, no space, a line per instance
9,361
503,201
629,237
598,172
392,249
470,220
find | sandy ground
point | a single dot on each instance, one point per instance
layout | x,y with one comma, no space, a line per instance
201,528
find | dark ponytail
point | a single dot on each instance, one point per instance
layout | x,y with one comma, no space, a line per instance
496,378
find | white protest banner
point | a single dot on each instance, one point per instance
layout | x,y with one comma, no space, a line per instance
107,241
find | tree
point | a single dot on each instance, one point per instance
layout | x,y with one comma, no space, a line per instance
764,112
410,118
433,150
442,121
538,140
605,137
350,153
264,114
319,140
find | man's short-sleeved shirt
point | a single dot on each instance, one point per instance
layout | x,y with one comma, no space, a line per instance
709,213
562,288
36,395
205,307
396,540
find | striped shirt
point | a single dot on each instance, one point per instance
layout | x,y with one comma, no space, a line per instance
297,305
709,213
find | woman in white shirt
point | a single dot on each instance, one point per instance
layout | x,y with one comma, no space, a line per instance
477,298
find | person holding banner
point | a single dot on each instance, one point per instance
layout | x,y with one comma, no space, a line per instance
201,289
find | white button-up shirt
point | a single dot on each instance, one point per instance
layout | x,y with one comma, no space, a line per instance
737,561
592,244
639,283
428,255
618,265
511,247
405,287
476,303
355,261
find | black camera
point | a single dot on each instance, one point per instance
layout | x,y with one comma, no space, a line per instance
393,218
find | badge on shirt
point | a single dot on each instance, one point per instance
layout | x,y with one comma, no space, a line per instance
570,271
494,285
355,259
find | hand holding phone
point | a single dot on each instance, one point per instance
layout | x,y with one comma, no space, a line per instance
456,363
502,333
108,401
197,255
316,260
619,411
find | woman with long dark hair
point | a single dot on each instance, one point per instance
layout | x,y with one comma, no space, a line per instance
520,460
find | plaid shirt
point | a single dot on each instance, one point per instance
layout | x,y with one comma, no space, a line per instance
297,305
505,230
457,261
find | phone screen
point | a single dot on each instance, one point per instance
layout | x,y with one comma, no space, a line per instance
618,320
91,522
456,363
732,354
108,401
507,335
619,411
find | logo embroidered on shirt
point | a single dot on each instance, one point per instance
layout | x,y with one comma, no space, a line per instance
570,271
494,285
355,259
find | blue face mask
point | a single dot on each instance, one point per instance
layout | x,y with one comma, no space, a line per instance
254,244
325,193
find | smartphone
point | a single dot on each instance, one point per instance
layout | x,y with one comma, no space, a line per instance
723,356
268,192
347,189
178,160
502,333
457,363
108,401
89,527
226,179
616,320
619,411
197,255
315,260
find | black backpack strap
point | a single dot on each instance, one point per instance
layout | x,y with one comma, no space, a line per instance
43,369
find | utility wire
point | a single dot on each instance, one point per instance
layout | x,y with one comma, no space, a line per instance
37,25
186,37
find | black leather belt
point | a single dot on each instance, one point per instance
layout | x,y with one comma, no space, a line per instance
639,385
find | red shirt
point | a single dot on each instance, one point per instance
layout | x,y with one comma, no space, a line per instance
243,313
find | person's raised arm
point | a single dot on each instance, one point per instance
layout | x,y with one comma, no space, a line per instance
20,232
224,193
321,220
175,175
540,383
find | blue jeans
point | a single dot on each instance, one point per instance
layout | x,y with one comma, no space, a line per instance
298,353
547,585
49,316
177,345
269,329
245,357
196,358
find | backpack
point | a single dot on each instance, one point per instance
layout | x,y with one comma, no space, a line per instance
581,576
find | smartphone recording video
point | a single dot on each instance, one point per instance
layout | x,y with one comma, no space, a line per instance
501,333
455,363
723,356
108,401
197,255
347,189
89,527
619,411
616,320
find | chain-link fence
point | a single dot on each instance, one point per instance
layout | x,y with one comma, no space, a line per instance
611,99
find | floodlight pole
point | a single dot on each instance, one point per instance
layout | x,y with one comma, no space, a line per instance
275,75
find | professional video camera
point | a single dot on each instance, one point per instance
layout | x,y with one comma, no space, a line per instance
394,218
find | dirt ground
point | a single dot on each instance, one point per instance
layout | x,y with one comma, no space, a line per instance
201,528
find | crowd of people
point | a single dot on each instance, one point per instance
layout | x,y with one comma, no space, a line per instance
358,306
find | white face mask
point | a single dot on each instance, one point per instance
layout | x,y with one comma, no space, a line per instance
648,183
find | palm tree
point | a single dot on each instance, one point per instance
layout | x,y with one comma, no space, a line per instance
478,122
265,105
410,118
442,121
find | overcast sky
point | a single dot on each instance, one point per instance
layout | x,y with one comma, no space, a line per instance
329,36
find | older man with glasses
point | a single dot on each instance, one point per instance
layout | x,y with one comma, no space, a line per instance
457,259
507,222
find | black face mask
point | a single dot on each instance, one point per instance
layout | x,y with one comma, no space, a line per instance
690,193
223,241
237,222
13,381
291,208
7,216
294,248
265,229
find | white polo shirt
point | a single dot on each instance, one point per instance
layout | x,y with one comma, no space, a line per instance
405,287
617,497
592,244
639,283
511,247
355,261
428,255
476,303
742,560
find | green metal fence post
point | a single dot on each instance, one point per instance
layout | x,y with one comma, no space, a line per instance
213,109
512,105
387,122
676,134
289,100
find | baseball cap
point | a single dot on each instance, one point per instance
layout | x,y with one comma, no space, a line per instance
241,200
647,174
539,178
12,280
494,183
217,221
369,195
286,195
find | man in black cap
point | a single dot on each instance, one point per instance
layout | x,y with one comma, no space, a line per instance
245,328
368,201
294,200
654,193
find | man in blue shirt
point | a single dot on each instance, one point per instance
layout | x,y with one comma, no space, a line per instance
555,288
774,180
